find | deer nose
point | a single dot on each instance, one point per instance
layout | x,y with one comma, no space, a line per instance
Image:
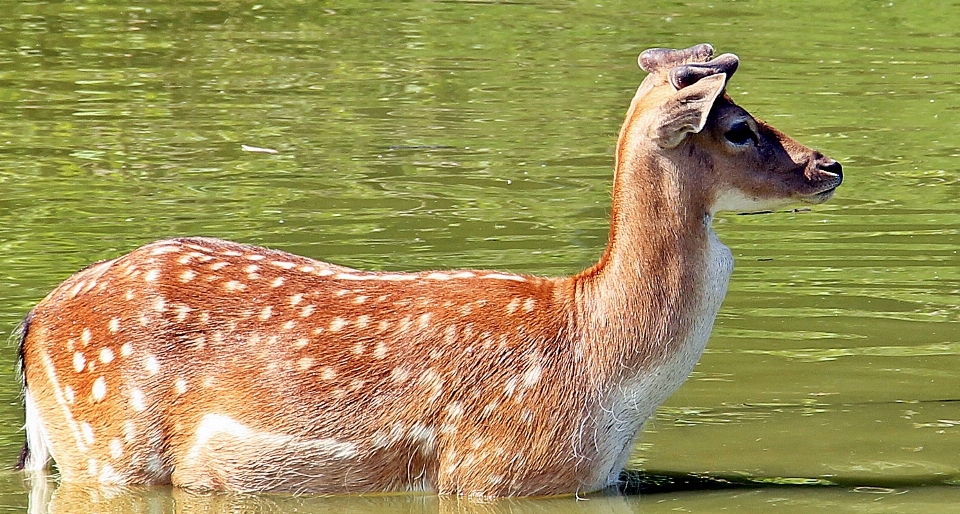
831,166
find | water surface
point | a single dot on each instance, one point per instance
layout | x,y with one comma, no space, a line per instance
429,135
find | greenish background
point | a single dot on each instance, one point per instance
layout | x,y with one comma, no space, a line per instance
418,135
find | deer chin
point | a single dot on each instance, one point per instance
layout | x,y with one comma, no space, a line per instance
818,198
734,200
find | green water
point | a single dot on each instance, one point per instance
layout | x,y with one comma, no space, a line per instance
416,135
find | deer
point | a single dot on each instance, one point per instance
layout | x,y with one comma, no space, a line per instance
220,366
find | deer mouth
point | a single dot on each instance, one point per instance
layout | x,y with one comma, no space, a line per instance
827,178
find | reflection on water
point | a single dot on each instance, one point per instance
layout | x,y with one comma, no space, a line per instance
478,134
46,496
661,494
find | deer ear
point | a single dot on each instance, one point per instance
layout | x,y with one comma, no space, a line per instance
686,112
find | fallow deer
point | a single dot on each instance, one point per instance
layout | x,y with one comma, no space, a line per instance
216,365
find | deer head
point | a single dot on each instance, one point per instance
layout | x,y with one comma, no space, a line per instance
739,162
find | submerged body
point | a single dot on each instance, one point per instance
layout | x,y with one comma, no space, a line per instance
216,365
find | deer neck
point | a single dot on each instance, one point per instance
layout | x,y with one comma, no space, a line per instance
654,294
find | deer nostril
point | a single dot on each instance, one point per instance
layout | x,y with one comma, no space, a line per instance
831,166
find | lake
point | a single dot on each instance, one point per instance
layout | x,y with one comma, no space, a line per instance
435,135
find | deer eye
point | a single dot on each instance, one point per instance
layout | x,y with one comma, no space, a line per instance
740,134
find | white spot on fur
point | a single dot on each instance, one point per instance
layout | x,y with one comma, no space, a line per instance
438,276
87,432
233,286
501,276
108,475
137,400
296,299
116,448
126,349
532,376
430,378
159,305
76,288
304,363
337,324
68,394
328,373
187,276
79,361
266,313
277,282
529,304
151,364
255,257
152,275
400,374
360,299
114,325
85,336
512,306
388,277
217,266
424,321
397,277
180,386
307,311
380,350
106,355
283,264
182,312
160,250
454,410
425,435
